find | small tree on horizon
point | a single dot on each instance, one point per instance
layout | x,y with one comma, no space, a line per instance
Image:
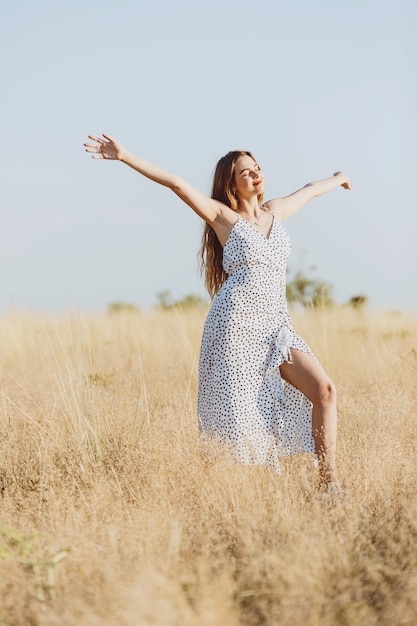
190,301
309,292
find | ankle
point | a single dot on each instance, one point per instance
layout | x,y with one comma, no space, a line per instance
327,478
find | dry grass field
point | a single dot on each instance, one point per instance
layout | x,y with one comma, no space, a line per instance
109,515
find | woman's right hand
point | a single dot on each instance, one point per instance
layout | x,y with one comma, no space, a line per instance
106,148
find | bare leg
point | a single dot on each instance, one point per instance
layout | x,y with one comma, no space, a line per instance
309,377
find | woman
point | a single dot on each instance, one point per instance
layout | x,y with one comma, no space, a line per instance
262,393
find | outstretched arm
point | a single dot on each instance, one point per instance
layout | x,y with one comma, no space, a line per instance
212,211
285,207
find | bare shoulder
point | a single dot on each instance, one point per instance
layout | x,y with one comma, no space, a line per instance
276,206
286,206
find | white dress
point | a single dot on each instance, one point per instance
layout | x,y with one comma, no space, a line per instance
243,403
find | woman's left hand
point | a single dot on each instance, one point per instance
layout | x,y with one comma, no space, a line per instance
346,182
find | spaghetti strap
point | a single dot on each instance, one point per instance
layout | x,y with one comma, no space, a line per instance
265,208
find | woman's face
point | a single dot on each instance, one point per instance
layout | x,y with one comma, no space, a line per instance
248,178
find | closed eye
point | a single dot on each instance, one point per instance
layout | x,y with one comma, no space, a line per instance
245,172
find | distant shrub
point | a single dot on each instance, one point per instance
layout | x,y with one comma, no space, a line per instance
118,307
190,301
358,302
309,292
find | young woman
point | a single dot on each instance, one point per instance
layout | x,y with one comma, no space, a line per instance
262,392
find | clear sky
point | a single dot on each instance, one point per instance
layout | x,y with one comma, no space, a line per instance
311,87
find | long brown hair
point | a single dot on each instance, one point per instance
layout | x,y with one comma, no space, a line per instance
211,252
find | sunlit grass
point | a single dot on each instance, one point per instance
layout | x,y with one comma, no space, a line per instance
110,516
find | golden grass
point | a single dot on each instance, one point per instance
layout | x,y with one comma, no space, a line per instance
109,516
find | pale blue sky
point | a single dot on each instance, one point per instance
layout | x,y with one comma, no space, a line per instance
310,87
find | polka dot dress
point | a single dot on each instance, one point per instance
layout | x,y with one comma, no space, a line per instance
243,403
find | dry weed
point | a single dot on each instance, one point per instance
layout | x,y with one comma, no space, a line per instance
110,516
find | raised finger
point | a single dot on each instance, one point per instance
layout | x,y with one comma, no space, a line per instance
100,141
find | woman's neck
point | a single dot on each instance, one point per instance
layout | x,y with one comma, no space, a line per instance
249,207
